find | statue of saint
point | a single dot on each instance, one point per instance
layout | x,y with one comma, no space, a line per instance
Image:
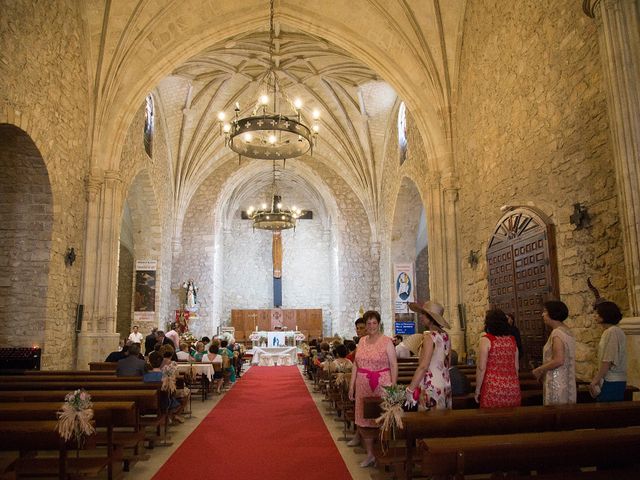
191,295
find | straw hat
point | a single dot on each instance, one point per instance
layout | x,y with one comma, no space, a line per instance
433,310
414,342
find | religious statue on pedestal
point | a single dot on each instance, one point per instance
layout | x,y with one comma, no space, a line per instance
191,295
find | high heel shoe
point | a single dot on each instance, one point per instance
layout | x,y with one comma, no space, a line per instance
367,462
354,442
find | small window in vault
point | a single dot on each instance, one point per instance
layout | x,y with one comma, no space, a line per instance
402,132
148,125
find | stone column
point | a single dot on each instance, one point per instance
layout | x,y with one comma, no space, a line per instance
619,39
100,276
452,264
435,232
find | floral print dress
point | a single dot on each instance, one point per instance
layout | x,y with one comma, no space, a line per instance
436,384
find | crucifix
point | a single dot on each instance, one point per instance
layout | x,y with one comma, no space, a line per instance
276,253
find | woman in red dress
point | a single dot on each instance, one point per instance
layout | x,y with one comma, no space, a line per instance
497,383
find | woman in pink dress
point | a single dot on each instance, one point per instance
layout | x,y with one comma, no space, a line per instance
375,367
497,382
432,374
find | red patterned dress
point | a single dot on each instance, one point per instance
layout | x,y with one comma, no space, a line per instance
500,385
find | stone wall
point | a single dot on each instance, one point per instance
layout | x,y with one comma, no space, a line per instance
531,125
26,217
45,91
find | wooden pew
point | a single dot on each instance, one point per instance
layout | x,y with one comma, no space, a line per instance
79,383
110,366
66,378
40,435
437,424
460,456
122,415
69,372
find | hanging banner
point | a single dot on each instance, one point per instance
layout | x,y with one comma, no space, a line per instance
144,304
403,284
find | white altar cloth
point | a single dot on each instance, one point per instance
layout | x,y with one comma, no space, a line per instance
271,356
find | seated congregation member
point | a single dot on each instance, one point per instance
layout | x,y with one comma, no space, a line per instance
167,355
351,348
199,352
610,381
376,367
132,365
558,370
155,352
169,402
324,355
227,361
402,351
184,355
497,382
460,384
340,362
118,354
431,385
214,357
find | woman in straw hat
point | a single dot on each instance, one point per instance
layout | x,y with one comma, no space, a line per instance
432,374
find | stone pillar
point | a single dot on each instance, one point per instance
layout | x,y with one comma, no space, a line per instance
452,264
100,276
435,228
619,39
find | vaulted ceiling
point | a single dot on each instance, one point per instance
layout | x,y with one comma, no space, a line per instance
355,105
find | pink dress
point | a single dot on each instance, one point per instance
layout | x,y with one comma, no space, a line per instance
373,371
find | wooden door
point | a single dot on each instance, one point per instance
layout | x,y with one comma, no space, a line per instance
521,259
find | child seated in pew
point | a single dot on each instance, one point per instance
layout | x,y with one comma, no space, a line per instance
168,403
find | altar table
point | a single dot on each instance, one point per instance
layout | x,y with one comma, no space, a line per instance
271,356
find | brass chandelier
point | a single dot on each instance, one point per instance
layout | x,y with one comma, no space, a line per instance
276,217
275,129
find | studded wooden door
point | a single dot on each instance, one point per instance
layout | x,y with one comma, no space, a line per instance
521,259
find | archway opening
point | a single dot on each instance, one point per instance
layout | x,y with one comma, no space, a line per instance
140,241
408,255
26,220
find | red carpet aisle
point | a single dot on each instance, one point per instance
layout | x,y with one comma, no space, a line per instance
268,427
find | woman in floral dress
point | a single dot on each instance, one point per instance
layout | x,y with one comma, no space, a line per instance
375,367
497,382
432,374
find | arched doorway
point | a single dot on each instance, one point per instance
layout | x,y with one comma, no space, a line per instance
521,259
26,220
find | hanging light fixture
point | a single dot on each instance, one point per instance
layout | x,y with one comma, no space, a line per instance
276,217
274,129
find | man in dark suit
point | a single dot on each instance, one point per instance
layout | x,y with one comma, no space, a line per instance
150,341
118,355
132,365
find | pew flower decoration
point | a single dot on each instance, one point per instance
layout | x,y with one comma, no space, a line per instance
393,397
169,373
74,418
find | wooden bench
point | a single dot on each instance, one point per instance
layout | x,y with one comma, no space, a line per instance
111,366
460,456
437,424
40,435
79,383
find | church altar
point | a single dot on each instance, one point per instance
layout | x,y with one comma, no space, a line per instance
272,348
274,356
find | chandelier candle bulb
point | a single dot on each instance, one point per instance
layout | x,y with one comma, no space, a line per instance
222,116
